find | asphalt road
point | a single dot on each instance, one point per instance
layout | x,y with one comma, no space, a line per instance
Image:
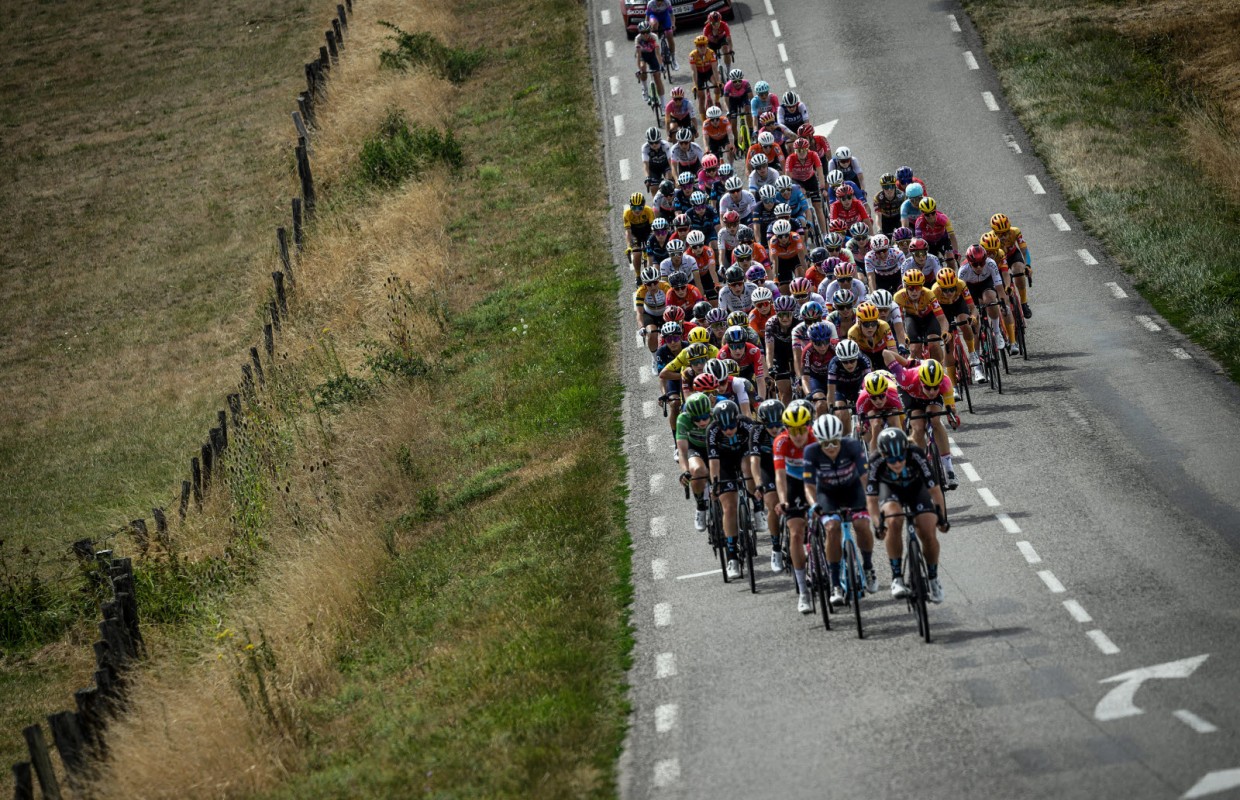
1093,533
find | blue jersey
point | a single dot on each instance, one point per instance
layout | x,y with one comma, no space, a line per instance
847,469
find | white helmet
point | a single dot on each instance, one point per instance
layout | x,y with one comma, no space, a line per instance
733,183
781,227
762,295
879,241
714,112
675,246
783,182
766,138
847,350
842,154
783,210
758,160
696,238
835,177
881,298
650,274
766,192
684,135
828,428
653,135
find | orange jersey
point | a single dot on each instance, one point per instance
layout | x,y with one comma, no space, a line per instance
703,61
759,254
925,305
787,252
704,256
686,300
757,320
773,154
717,129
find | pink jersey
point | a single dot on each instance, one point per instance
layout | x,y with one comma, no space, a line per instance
910,381
865,404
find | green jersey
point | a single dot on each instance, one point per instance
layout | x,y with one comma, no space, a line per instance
687,430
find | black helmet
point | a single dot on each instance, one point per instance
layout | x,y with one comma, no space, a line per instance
771,413
734,274
727,414
666,187
701,309
893,443
678,280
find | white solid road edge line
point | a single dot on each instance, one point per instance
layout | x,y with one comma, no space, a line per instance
987,97
1119,293
1034,185
1060,223
1087,257
1193,721
953,23
1007,522
1051,581
1029,553
1103,642
665,717
662,615
1077,611
666,772
697,575
665,665
969,60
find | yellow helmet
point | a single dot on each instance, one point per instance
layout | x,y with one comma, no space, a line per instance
699,335
990,240
876,383
999,223
701,40
867,312
798,414
946,278
930,372
637,199
914,277
927,205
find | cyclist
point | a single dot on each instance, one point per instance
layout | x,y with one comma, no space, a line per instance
764,101
678,114
729,446
756,274
638,219
934,226
889,313
887,203
780,353
708,177
686,155
656,242
882,264
746,354
925,388
717,133
717,377
902,477
816,364
737,198
737,294
788,192
762,313
703,63
719,37
704,256
905,179
787,458
901,237
844,376
957,305
770,426
671,343
646,49
909,211
664,200
1017,253
844,277
879,396
682,293
771,155
858,241
847,209
791,114
987,282
650,300
702,215
739,94
787,253
849,167
758,253
923,316
835,468
691,448
871,334
919,258
662,19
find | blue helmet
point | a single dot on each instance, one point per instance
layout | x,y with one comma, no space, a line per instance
734,335
904,174
762,87
812,311
819,332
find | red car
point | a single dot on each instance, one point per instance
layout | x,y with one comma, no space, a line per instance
686,11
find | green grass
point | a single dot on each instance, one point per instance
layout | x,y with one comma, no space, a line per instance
1106,114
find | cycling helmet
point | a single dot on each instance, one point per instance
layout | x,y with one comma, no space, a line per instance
859,230
999,223
666,187
881,298
918,244
678,93
637,200
734,368
842,154
674,313
833,241
800,287
783,210
717,370
976,255
762,87
844,271
678,280
766,138
727,414
767,192
698,351
714,18
706,382
725,170
806,131
904,174
734,184
927,205
736,75
700,40
771,413
818,255
801,143
844,298
786,305
991,241
762,295
913,191
790,98
886,179
684,134
812,311
828,429
902,234
798,414
819,333
685,178
714,112
698,406
914,278
742,251
650,274
893,443
758,160
845,190
867,312
766,118
782,227
835,178
879,242
783,182
675,246
701,308
699,335
735,335
643,27
946,278
839,226
680,221
731,217
710,161
739,318
756,273
745,236
671,329
847,350
698,198
734,274
653,135
717,316
876,383
930,372
828,266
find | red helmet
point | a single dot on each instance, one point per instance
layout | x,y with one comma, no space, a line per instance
976,254
801,143
918,244
844,191
673,314
837,225
731,216
806,131
765,118
710,161
714,18
705,383
678,93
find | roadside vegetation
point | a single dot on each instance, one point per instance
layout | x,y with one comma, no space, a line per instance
1134,107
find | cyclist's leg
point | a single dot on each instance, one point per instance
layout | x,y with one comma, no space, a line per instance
893,540
698,472
727,499
843,412
917,421
835,538
940,436
929,539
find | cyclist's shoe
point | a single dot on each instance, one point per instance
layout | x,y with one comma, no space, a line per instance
777,561
1014,350
979,375
734,569
952,483
837,596
699,519
899,590
935,595
871,581
1000,342
1028,311
805,603
759,520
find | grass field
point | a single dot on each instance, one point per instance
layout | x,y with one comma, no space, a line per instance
1134,107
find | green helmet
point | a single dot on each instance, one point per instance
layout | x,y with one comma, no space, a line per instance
698,405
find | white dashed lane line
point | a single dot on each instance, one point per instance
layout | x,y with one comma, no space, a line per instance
953,23
1117,292
648,406
775,28
665,665
605,15
770,10
1029,553
666,772
1077,611
1147,323
665,717
658,527
662,615
658,569
1181,353
792,82
969,60
609,47
1193,721
970,472
1060,223
614,83
656,484
987,97
988,497
653,440
1034,185
1008,523
618,121
1051,581
643,374
783,53
1087,257
1102,642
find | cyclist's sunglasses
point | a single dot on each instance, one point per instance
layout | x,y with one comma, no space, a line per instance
703,418
796,430
784,315
869,324
736,283
675,337
830,443
891,460
882,250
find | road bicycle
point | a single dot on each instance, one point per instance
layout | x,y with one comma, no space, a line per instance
852,580
816,571
746,539
744,137
652,98
1019,326
714,534
918,574
988,351
963,376
665,57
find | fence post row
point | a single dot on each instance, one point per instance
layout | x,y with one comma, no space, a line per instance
79,735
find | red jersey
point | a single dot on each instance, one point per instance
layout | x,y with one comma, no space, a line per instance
716,33
865,404
686,299
758,320
910,382
854,213
787,456
752,357
802,169
820,147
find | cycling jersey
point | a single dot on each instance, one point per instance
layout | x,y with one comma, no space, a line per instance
774,156
652,299
718,129
1013,243
661,12
758,106
656,248
737,89
687,431
796,201
924,306
716,33
873,344
815,363
981,278
788,250
791,459
703,62
954,304
887,264
704,255
731,300
800,334
915,476
729,450
687,298
681,111
638,222
681,361
802,168
852,213
891,402
852,172
829,475
932,227
930,269
687,156
847,382
750,359
910,383
888,205
838,321
763,177
793,117
687,265
758,322
830,286
741,202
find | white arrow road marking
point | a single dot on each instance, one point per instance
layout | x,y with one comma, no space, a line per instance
1193,721
1213,782
1118,704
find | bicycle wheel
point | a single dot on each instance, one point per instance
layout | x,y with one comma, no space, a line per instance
852,573
919,584
717,539
745,540
786,548
822,579
1021,328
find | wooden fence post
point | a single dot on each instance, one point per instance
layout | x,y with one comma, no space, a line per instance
195,471
69,743
234,408
140,535
23,782
184,507
42,762
299,240
247,381
349,5
282,244
257,364
338,31
325,67
332,50
281,296
221,419
91,720
307,180
273,311
311,80
306,108
208,465
161,527
340,15
269,341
